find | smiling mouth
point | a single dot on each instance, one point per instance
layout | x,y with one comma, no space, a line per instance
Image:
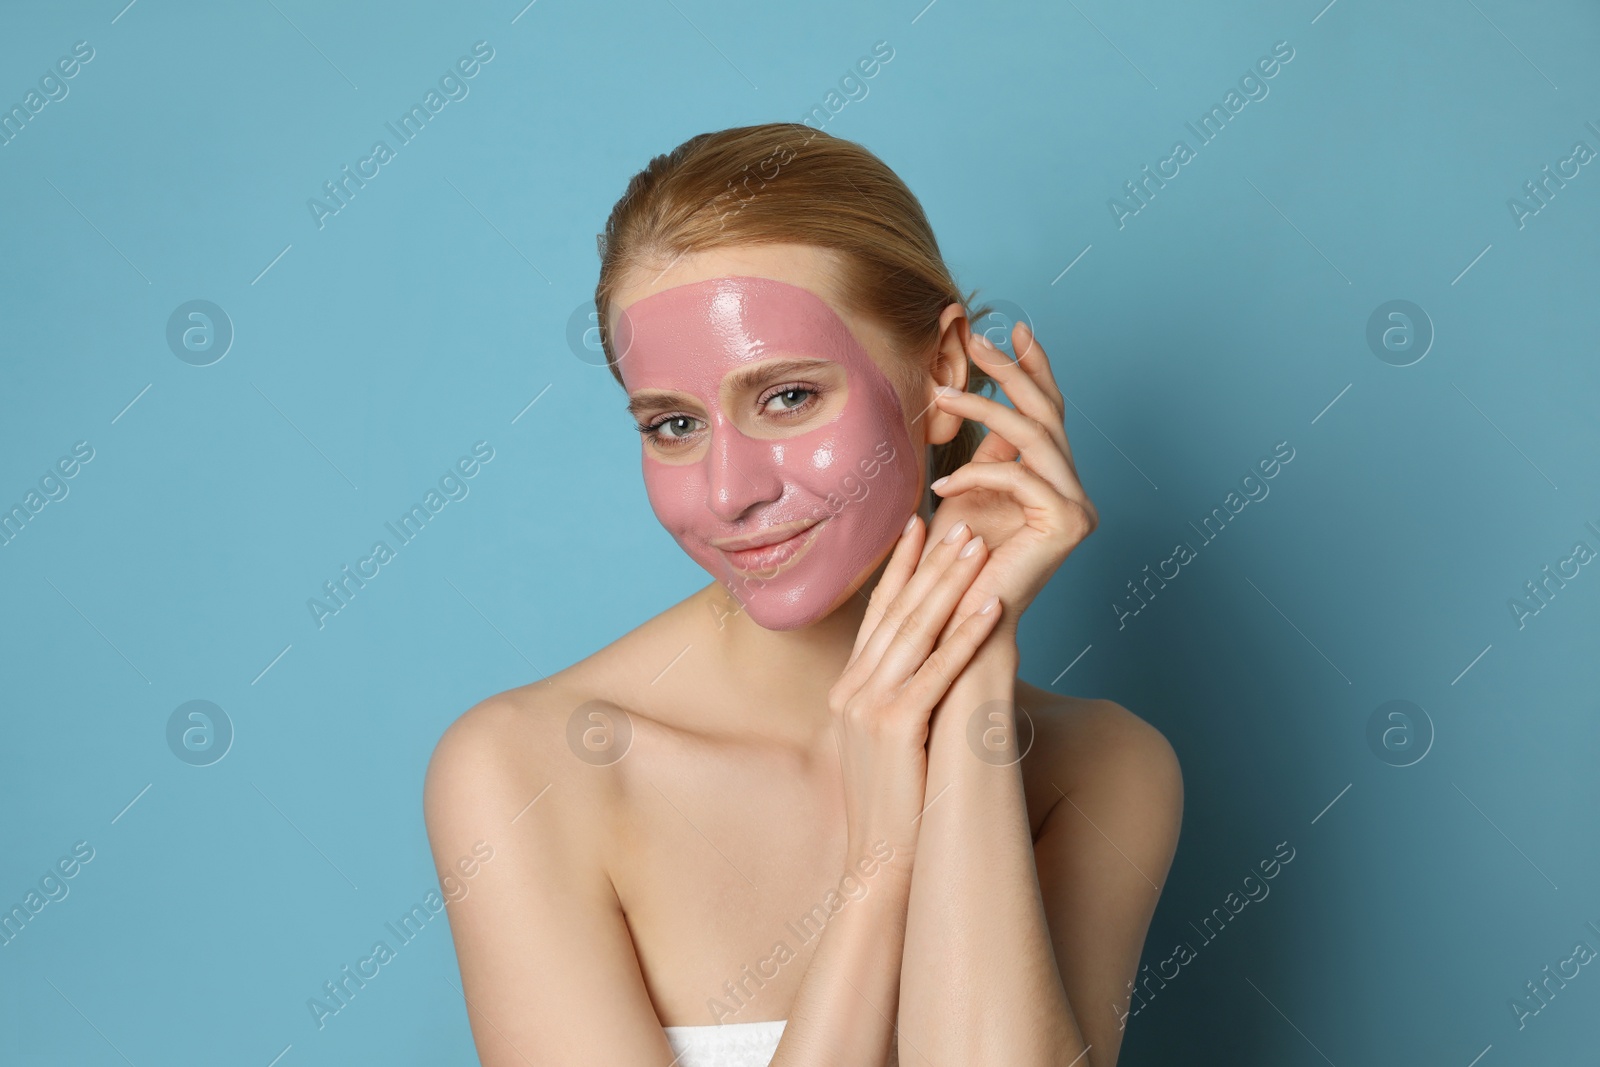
767,561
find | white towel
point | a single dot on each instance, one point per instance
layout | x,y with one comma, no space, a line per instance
733,1044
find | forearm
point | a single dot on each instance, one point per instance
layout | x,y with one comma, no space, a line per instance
979,981
843,1013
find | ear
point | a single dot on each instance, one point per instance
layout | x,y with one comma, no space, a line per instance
949,368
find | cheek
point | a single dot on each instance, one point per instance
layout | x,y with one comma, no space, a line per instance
825,457
677,493
869,454
825,468
862,472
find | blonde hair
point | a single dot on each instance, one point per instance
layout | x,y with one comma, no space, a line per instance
787,182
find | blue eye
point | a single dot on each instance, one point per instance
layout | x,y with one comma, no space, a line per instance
669,430
794,396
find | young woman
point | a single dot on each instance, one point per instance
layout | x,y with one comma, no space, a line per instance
810,814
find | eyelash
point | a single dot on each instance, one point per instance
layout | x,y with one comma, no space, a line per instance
652,428
789,387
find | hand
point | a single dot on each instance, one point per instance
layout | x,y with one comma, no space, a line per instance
1020,491
882,701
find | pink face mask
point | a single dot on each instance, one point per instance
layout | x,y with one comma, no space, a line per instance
820,494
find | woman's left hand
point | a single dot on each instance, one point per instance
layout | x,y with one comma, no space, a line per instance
1020,491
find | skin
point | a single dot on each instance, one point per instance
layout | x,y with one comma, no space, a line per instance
819,457
992,911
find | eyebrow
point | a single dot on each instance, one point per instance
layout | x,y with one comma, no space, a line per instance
738,380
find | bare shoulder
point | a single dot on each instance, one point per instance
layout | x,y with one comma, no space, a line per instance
1097,747
498,756
549,971
505,752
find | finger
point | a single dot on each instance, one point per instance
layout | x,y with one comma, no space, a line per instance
893,609
1032,356
932,680
1020,379
914,637
928,573
902,564
1026,396
1037,363
1040,445
1043,504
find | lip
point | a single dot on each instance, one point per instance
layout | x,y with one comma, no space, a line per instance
777,533
770,551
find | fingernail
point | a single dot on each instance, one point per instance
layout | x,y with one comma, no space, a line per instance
955,532
945,390
989,605
983,339
970,547
939,482
911,524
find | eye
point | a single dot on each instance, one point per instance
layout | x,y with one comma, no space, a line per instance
670,431
789,399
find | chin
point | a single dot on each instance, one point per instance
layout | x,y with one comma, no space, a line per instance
782,616
807,601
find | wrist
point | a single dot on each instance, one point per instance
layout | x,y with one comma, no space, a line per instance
988,683
992,672
870,868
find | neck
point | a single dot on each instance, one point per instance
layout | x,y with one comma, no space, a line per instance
787,673
815,651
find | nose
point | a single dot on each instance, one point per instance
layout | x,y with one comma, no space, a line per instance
742,473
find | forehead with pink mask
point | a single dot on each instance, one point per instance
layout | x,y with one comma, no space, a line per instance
786,503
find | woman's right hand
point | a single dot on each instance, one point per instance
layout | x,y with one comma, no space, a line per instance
896,676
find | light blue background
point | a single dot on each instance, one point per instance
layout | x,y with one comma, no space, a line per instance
1225,317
